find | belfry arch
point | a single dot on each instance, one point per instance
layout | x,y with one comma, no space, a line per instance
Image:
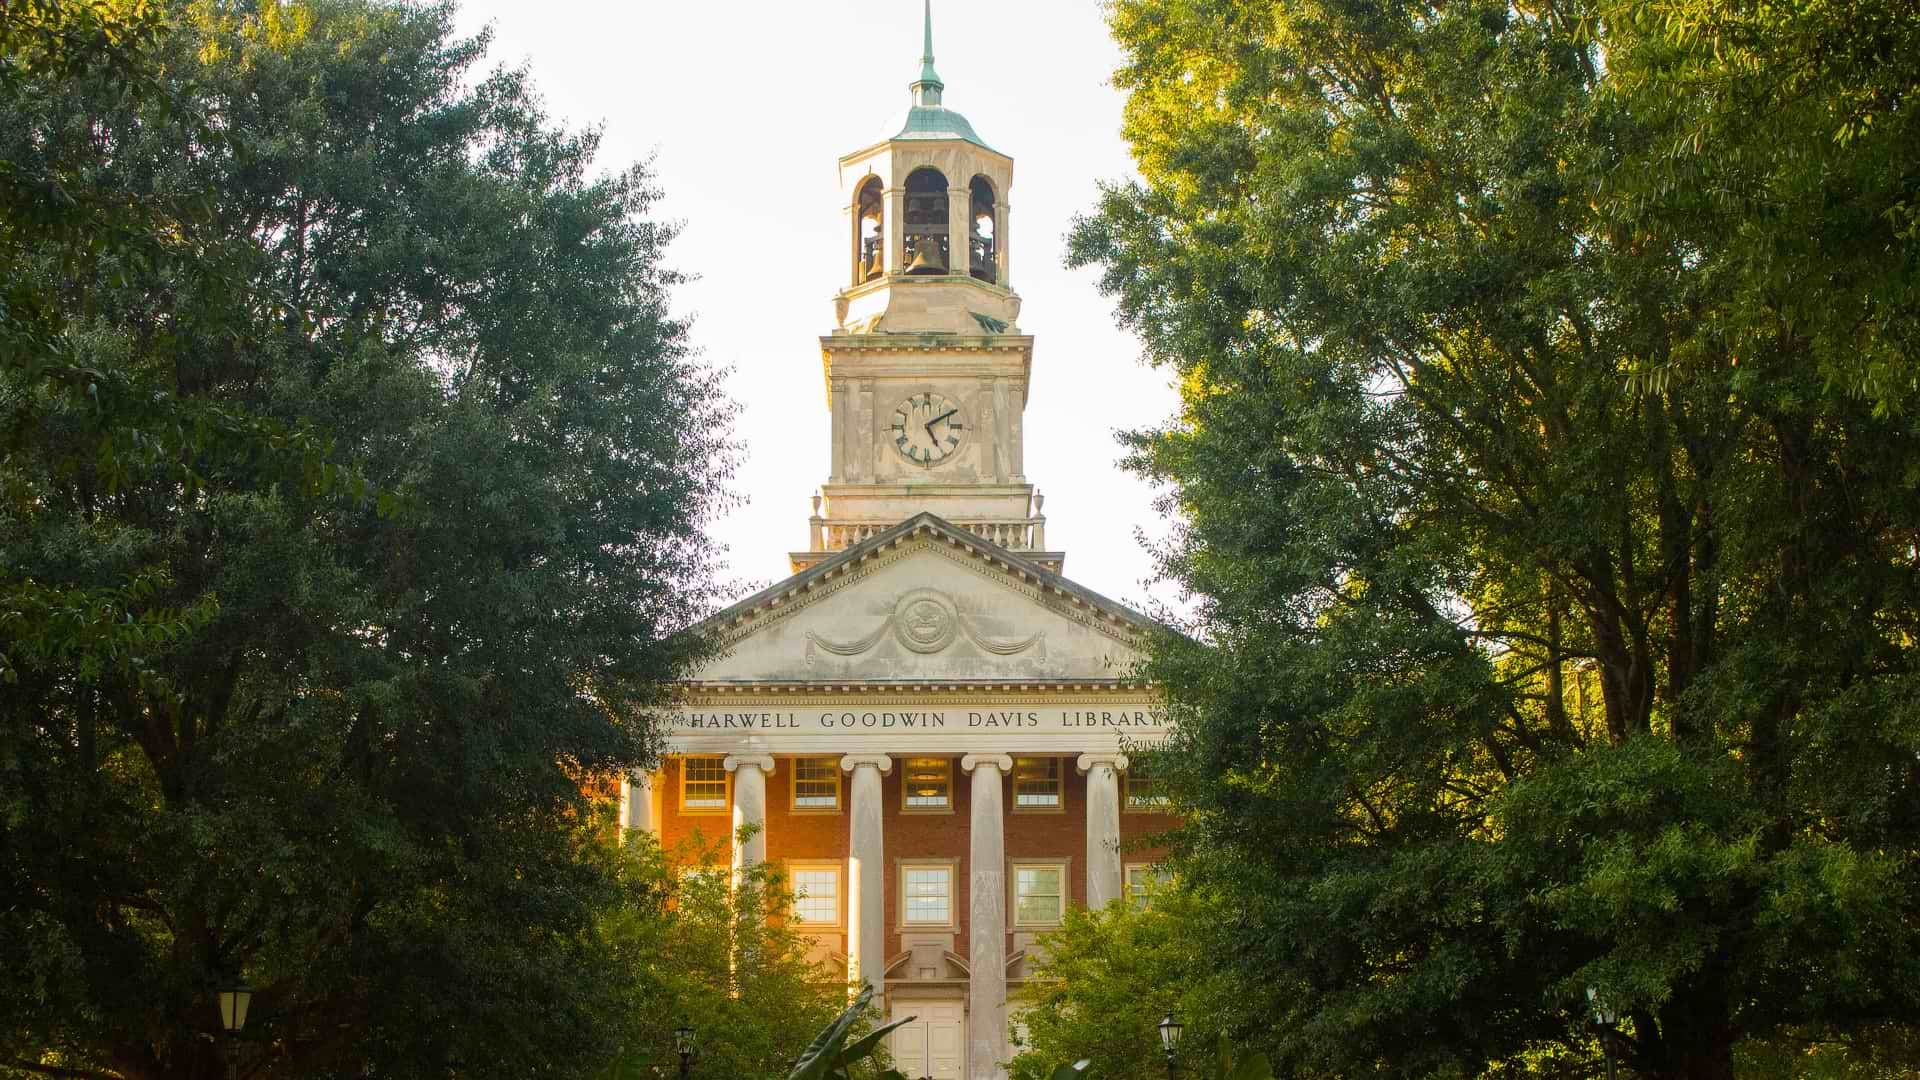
927,247
869,231
983,228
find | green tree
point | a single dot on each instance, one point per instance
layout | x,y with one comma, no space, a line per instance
712,950
1556,596
354,483
1105,979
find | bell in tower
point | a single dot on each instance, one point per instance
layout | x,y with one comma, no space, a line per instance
926,238
868,264
982,258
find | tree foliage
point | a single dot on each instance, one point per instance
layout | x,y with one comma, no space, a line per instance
713,951
1105,979
1550,512
354,477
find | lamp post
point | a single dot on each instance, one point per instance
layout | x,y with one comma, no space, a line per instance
234,1002
683,1045
1607,1021
1170,1041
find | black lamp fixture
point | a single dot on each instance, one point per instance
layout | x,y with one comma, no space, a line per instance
1608,1021
1170,1040
683,1045
234,1001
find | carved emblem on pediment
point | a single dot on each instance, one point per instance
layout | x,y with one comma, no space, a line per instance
924,621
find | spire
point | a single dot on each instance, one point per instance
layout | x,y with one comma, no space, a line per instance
926,89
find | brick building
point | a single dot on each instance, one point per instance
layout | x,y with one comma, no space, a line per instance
928,720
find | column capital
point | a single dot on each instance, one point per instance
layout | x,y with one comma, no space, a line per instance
1090,762
1003,762
879,761
763,762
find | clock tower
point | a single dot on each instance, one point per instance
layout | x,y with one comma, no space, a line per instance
926,370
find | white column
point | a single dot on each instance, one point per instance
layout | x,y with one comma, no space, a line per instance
749,806
960,227
866,872
636,804
987,919
896,229
1103,826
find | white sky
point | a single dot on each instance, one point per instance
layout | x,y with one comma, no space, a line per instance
746,106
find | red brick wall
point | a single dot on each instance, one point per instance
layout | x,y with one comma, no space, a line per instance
822,837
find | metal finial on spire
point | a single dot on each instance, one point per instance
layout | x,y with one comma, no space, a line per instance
928,76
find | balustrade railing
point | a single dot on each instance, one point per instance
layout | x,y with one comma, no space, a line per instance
1023,534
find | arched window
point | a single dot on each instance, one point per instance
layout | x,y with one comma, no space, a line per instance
926,223
869,232
980,239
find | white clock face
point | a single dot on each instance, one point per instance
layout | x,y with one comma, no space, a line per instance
927,428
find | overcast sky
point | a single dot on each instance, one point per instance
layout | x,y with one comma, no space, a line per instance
745,108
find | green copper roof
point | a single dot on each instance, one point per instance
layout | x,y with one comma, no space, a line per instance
939,122
929,119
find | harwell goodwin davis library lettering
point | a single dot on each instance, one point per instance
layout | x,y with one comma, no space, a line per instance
927,719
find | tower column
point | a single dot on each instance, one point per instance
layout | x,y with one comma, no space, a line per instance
1001,212
749,806
1103,826
987,918
866,872
960,225
896,227
837,470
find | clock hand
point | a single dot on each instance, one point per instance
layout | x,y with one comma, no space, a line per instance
931,437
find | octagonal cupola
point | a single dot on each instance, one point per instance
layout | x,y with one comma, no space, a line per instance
927,214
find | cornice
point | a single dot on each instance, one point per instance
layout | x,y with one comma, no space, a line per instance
927,694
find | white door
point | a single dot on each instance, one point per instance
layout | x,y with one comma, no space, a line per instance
934,1044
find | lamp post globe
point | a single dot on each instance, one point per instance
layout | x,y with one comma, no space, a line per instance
234,1002
1170,1029
683,1045
1607,1021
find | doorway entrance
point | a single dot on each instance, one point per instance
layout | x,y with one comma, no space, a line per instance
934,1045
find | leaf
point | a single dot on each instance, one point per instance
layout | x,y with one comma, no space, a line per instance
824,1053
869,1041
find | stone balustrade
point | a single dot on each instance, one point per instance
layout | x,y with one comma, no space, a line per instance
1019,534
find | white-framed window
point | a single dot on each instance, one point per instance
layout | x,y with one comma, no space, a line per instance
816,784
926,786
1036,783
1143,792
816,893
703,785
1141,880
1039,892
927,899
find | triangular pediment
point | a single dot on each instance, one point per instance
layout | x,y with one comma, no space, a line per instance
925,602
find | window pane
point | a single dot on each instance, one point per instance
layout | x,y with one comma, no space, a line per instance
1036,782
1142,792
929,893
816,783
704,784
1036,891
1142,880
929,783
816,896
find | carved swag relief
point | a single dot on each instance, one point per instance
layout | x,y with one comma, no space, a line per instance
924,621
